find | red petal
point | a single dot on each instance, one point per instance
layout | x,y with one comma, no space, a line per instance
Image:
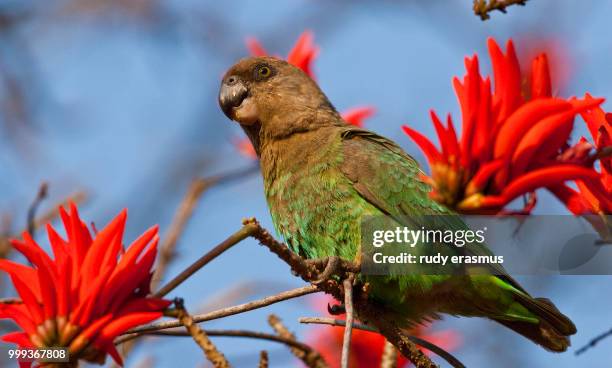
19,313
303,53
112,351
482,176
101,249
48,283
540,78
522,120
546,177
245,147
481,148
430,151
511,97
28,275
122,324
594,118
443,137
58,245
543,140
90,332
453,147
83,312
572,199
255,47
29,300
21,339
357,115
127,276
77,238
497,59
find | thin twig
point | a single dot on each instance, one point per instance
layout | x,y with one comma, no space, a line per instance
76,198
594,342
10,301
184,212
389,356
311,358
602,153
482,8
199,336
234,239
263,359
417,340
46,217
335,322
177,227
225,312
237,333
350,318
31,217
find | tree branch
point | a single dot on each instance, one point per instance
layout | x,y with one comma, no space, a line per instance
594,342
263,359
424,343
350,318
31,218
46,217
181,218
311,358
221,313
389,356
234,239
482,8
199,336
236,333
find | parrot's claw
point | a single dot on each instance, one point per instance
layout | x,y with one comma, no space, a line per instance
335,309
331,268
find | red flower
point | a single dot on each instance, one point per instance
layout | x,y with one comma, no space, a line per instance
509,143
301,55
357,115
367,347
90,292
594,196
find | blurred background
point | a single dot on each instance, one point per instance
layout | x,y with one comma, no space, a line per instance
119,98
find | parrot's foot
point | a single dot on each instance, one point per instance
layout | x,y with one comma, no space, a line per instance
336,309
331,264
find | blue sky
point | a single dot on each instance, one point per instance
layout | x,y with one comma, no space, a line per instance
126,108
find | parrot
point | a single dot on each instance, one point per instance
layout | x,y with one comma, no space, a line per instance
322,177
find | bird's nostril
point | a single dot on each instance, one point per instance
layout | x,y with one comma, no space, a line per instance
231,80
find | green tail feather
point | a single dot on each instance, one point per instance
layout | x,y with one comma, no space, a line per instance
553,329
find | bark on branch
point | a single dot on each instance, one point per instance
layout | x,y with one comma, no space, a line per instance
482,8
199,336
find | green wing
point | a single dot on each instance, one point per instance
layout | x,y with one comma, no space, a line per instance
388,178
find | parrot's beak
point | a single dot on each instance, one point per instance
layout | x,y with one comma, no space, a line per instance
235,102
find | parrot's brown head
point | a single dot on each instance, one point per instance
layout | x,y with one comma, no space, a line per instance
271,98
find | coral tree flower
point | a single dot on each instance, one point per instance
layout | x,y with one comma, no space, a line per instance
302,55
91,291
367,347
510,137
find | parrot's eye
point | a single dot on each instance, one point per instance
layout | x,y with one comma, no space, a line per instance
262,72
